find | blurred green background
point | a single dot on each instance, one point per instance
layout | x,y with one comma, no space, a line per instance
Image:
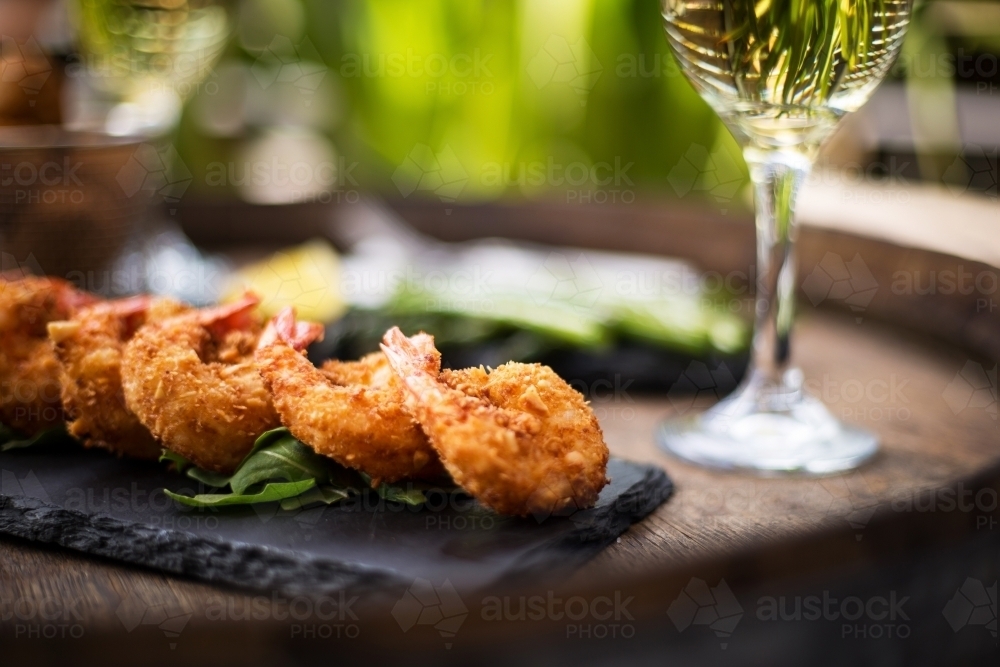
475,100
511,93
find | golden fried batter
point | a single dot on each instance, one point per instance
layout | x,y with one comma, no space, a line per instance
191,380
29,372
519,438
89,348
352,412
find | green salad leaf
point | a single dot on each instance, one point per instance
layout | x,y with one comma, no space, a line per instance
280,468
278,455
178,462
272,492
12,439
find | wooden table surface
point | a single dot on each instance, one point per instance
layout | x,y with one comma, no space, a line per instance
906,380
868,373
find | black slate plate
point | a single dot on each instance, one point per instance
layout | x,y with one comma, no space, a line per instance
92,502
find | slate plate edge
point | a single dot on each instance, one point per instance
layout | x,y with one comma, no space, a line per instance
239,564
257,568
591,536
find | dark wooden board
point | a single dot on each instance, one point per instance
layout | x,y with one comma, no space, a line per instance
97,504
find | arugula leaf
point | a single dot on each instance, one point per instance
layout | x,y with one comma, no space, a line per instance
277,455
398,494
327,495
414,493
178,462
270,493
11,439
279,467
216,480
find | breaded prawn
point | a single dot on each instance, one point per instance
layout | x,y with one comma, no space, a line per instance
192,381
519,439
29,371
89,348
352,412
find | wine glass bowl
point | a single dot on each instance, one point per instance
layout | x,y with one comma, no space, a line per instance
785,69
780,74
150,55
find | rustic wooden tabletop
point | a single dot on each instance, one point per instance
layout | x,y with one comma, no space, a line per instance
903,367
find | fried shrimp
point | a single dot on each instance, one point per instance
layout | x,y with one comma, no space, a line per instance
519,438
352,412
191,380
29,371
89,348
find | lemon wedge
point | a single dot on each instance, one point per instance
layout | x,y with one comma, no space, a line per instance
307,277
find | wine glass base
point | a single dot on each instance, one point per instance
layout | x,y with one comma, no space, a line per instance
797,436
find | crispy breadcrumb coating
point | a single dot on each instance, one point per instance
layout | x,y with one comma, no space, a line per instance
192,381
29,371
89,348
352,412
518,438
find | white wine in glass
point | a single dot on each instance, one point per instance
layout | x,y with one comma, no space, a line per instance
780,74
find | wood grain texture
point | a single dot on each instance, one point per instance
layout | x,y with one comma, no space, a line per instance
868,374
888,368
926,446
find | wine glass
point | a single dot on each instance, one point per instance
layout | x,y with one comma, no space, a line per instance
780,74
150,55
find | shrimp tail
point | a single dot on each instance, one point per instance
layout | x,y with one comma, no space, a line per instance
235,316
411,356
72,299
415,360
286,329
133,305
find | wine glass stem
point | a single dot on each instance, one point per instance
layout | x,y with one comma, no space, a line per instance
777,175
